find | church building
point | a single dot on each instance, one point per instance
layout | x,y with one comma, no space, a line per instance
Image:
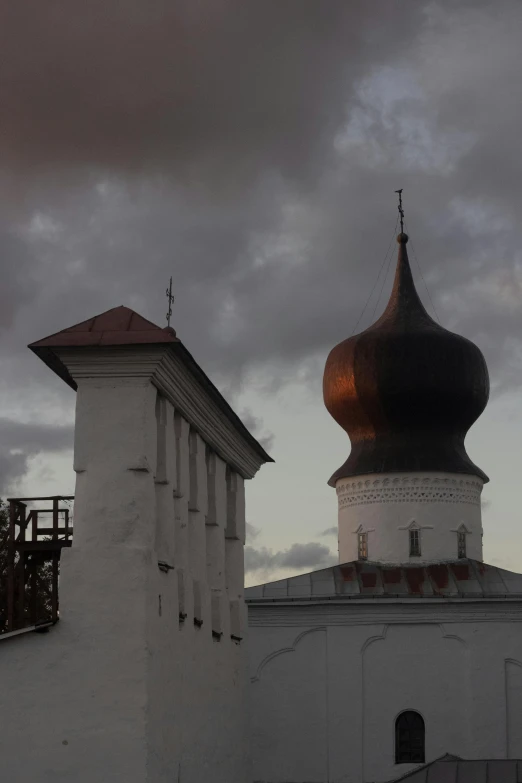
409,650
155,665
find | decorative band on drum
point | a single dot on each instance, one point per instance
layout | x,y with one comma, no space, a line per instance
409,489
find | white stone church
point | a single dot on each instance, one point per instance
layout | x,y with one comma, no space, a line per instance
403,661
411,648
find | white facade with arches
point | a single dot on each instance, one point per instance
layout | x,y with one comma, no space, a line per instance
333,663
384,508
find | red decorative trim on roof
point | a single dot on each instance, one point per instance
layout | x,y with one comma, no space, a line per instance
368,578
347,572
461,572
391,576
439,574
415,579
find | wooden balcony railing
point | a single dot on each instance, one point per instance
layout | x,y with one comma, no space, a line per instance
31,560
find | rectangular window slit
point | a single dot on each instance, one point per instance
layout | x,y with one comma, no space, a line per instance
461,544
198,614
415,547
363,546
182,612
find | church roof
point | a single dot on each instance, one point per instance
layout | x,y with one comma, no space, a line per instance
361,580
449,769
117,326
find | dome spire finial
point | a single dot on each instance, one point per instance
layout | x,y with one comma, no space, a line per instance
401,210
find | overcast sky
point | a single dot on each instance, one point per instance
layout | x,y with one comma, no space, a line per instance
250,149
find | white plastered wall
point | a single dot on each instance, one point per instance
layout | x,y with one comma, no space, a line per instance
327,683
387,506
127,686
75,700
212,720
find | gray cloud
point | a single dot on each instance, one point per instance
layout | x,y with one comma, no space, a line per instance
296,557
252,151
21,441
330,531
255,425
252,532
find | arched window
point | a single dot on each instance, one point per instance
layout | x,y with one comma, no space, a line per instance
409,738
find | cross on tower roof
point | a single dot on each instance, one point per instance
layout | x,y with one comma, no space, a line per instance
170,298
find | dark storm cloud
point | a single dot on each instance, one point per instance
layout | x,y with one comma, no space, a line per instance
20,441
296,557
187,84
251,150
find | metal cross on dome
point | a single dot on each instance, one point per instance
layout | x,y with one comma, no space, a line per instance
401,211
170,298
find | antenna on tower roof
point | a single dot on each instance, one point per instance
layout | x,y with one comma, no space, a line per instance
170,298
401,211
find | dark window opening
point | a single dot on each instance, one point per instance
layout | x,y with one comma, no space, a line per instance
409,738
461,544
415,547
363,546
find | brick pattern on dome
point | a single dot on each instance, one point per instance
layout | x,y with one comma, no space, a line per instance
357,492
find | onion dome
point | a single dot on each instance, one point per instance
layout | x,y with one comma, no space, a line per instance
406,390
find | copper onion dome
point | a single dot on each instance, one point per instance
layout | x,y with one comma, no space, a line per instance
406,390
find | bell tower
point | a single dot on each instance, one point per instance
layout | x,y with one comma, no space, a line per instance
143,678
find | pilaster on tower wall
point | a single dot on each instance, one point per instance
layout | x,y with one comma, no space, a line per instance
180,491
215,540
234,557
165,480
197,508
212,662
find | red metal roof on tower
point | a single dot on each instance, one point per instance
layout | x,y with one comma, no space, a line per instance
118,326
121,327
